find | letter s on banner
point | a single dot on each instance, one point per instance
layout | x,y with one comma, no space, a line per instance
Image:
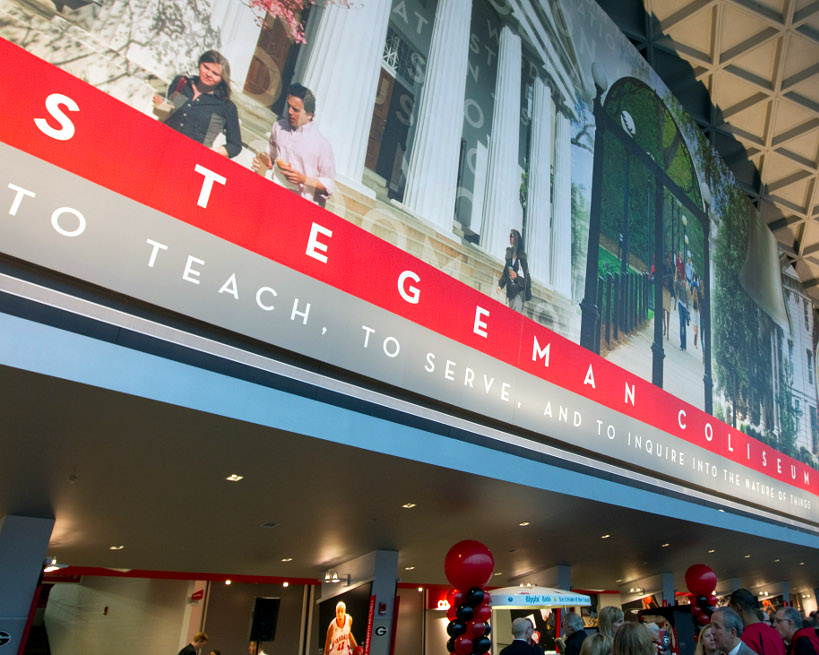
53,104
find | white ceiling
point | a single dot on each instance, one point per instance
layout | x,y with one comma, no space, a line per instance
748,72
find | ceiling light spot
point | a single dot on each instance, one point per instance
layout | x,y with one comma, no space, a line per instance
234,478
498,573
523,524
665,545
776,560
408,505
711,551
287,559
619,580
420,588
747,557
801,564
409,568
605,536
227,581
115,547
285,584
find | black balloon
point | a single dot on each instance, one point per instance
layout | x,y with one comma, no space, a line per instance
702,601
465,613
455,628
481,645
450,645
487,629
474,596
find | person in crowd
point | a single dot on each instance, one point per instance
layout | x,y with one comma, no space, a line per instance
515,277
609,620
758,635
667,280
572,625
633,639
522,630
689,271
727,629
199,641
200,107
301,158
798,639
340,639
683,303
596,644
706,645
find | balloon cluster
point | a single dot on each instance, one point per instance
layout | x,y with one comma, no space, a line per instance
468,567
701,582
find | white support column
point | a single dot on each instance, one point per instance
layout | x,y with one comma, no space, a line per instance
562,211
239,33
432,176
340,64
539,202
503,179
23,545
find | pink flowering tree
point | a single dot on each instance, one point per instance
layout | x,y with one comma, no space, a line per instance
290,12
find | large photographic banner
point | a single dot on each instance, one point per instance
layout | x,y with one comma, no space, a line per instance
513,215
146,212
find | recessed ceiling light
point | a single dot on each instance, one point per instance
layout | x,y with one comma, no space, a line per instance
408,505
115,547
409,568
776,560
605,536
711,551
234,478
227,581
619,580
747,557
287,559
498,573
801,564
665,545
523,523
285,584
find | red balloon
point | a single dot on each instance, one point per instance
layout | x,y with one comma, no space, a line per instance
703,619
696,610
713,599
474,629
469,564
450,596
482,613
458,599
700,580
487,599
463,645
452,613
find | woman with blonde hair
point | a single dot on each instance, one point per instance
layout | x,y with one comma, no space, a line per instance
706,645
609,619
634,639
596,644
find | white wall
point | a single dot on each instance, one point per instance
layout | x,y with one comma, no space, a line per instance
144,616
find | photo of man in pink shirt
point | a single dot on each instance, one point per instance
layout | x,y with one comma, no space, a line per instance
301,158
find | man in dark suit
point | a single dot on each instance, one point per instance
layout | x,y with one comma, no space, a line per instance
522,630
727,630
572,625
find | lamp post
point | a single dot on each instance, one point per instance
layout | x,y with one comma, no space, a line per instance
590,313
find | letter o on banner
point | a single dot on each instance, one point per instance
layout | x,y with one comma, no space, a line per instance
55,222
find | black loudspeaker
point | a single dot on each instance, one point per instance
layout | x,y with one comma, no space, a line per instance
263,620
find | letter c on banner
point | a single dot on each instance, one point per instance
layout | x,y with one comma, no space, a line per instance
409,293
53,103
680,418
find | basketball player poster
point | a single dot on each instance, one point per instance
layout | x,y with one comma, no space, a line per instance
343,622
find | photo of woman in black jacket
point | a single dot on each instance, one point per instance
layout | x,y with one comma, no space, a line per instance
515,277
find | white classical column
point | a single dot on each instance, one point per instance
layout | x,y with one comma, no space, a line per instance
432,176
340,64
502,200
562,210
238,33
539,202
